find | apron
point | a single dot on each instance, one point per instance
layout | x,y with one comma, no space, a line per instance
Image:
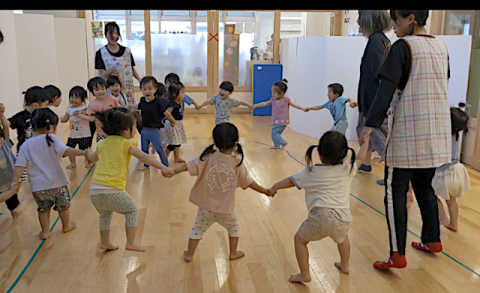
124,66
393,104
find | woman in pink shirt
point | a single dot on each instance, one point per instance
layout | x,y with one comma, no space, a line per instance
219,174
280,112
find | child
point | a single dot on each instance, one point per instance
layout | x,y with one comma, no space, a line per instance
224,103
102,102
42,154
173,77
117,90
79,128
219,174
451,180
153,112
327,193
280,112
55,97
175,134
107,188
336,106
7,163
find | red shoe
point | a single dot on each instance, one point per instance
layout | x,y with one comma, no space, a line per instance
395,261
433,247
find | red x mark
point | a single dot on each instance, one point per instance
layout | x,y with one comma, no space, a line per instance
213,37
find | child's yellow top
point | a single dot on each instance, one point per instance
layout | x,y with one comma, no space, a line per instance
114,159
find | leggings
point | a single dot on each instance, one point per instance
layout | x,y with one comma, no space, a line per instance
12,203
120,202
171,147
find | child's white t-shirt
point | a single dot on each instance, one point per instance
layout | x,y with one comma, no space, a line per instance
79,128
43,162
326,185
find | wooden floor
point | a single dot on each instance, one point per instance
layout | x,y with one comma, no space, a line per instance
71,263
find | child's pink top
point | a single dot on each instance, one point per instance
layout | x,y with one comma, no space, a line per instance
280,111
218,177
98,106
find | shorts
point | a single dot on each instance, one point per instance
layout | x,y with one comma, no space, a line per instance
205,219
58,198
341,126
100,137
326,222
378,137
83,143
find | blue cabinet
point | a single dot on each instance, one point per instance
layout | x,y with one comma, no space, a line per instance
264,75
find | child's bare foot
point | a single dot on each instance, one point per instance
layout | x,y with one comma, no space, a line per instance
72,225
142,168
454,228
187,257
284,146
134,247
108,247
299,278
16,212
71,166
344,269
180,161
444,221
44,236
236,255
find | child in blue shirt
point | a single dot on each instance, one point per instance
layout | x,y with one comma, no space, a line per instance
336,106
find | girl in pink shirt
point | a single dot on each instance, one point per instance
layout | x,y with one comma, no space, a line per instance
219,174
280,112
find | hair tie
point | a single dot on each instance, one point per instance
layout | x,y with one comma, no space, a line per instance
415,22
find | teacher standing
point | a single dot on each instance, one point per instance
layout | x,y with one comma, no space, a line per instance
373,24
116,59
413,92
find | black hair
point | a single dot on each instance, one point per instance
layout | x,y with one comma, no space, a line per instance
281,85
174,90
53,92
112,80
96,82
112,27
171,78
228,86
421,17
459,121
116,120
43,119
78,91
225,136
332,149
161,90
35,94
336,88
147,79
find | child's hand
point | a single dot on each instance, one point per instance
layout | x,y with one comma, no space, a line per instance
2,109
197,107
251,106
172,124
353,104
307,109
168,172
271,192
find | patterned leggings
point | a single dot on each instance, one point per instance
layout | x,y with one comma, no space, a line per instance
120,203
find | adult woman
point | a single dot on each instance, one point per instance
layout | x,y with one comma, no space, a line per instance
117,59
373,24
414,92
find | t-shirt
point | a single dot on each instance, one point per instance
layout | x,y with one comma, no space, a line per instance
54,110
187,100
99,64
177,109
280,111
7,164
218,177
114,160
152,112
121,99
223,107
326,185
99,106
43,162
78,127
337,109
21,122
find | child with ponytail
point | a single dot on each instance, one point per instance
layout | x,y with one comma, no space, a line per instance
327,193
219,172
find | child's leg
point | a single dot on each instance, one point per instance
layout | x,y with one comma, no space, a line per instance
176,153
73,162
62,204
125,205
13,205
444,220
301,251
145,138
44,218
157,144
192,246
453,210
105,241
68,225
277,138
103,205
344,250
230,222
204,220
234,253
131,233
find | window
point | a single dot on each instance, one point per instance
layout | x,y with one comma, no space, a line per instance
175,12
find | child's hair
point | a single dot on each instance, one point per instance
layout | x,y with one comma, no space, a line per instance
374,21
53,92
79,92
228,86
116,120
35,94
161,90
111,27
459,121
171,78
336,88
112,80
174,90
225,136
281,85
147,79
95,83
332,148
421,16
43,119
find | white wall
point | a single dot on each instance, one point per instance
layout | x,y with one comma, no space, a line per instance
54,13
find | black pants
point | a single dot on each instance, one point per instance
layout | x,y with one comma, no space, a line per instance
171,147
12,203
396,188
